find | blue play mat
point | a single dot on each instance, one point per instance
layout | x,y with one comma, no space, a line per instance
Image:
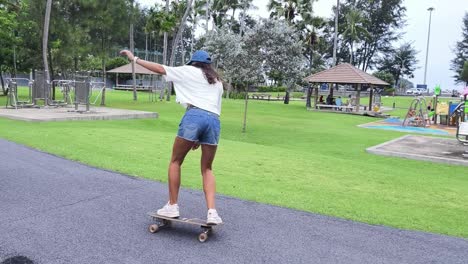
410,129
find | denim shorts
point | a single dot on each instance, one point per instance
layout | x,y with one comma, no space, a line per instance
200,125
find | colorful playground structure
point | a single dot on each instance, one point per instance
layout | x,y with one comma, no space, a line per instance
462,126
76,91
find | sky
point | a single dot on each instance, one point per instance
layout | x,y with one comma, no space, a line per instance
446,30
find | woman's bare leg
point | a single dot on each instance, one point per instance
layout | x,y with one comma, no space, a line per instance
209,183
179,151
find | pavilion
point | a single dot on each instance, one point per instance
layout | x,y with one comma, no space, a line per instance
346,73
128,69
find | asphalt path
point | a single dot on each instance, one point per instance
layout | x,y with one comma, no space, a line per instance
53,210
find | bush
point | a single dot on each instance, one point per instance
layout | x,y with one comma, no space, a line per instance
270,89
236,95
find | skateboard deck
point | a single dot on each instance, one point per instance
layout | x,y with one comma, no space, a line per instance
165,222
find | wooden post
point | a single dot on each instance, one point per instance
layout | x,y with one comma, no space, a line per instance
371,94
358,98
309,94
316,94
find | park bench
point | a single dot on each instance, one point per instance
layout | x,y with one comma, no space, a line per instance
130,88
261,96
335,107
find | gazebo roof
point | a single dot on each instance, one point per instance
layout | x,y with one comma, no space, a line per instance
344,73
128,69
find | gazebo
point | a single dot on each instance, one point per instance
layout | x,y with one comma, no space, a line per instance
346,73
128,69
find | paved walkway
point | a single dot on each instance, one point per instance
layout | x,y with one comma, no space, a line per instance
57,211
69,114
442,150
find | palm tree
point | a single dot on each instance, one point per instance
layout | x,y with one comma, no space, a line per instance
219,8
290,9
355,31
310,28
198,10
175,41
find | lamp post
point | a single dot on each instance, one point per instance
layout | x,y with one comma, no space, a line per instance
430,9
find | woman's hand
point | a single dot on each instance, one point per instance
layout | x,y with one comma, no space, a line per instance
127,53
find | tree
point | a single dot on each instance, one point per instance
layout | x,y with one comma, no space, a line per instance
315,46
175,42
461,53
354,31
464,73
109,26
387,77
381,18
45,38
279,48
9,25
239,64
399,62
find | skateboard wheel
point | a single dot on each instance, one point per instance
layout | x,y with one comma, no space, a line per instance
153,228
202,237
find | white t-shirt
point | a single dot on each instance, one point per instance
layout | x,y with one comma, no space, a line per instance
192,87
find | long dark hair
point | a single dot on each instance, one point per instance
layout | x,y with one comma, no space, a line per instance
210,74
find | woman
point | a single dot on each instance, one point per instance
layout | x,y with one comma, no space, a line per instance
198,88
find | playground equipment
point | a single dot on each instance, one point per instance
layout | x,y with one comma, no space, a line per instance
66,88
377,100
82,88
462,127
417,114
78,91
462,135
40,89
100,86
12,96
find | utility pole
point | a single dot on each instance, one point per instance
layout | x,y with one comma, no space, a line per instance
430,9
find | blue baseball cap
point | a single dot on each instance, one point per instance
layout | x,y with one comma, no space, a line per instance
200,56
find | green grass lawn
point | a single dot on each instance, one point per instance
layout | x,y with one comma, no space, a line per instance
289,157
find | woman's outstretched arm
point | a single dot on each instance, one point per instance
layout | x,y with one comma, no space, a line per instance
154,67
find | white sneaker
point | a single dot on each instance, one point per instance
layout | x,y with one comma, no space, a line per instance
213,217
169,210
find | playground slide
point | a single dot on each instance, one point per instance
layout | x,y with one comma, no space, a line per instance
458,109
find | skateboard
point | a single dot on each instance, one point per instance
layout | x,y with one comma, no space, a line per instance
165,222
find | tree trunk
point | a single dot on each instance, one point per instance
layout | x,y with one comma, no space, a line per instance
228,88
244,124
232,19
193,35
175,41
104,77
2,81
166,86
309,95
52,73
316,93
207,15
45,38
132,49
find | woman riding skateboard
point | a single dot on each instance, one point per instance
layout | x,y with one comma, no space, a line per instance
199,88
